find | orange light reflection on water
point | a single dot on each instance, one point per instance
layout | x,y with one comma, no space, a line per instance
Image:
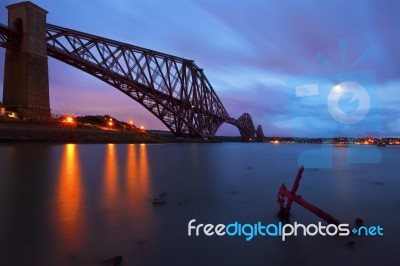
143,170
110,176
70,197
131,166
137,171
138,184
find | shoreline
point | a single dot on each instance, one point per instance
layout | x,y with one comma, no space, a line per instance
55,132
59,133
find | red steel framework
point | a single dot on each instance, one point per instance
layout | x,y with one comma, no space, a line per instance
172,88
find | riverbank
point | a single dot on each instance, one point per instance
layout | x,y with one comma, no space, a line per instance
58,132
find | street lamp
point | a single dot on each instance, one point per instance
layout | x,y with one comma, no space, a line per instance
69,119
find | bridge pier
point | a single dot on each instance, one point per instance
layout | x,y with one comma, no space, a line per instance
26,81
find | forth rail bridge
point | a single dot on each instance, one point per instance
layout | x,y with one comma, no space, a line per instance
172,88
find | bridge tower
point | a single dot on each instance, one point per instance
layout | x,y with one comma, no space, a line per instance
26,80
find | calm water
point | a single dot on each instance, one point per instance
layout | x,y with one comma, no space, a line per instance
81,204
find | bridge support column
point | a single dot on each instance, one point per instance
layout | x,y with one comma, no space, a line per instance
26,81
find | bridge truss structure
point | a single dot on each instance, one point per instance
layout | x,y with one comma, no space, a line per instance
172,88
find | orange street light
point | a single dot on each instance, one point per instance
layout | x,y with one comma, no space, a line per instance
142,127
131,122
110,123
69,119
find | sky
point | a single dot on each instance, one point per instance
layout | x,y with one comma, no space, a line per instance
300,68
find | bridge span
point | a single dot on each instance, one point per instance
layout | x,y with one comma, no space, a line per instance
172,88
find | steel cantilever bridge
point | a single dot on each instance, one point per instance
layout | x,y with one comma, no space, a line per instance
172,88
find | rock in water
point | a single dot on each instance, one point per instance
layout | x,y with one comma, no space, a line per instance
158,202
116,260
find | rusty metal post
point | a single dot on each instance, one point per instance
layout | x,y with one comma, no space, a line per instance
285,204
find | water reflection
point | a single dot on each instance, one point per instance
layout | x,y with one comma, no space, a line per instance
135,185
110,176
81,231
70,196
137,181
143,170
131,166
